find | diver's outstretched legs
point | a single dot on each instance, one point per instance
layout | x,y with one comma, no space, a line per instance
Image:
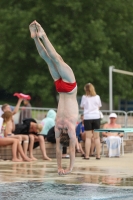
63,69
43,53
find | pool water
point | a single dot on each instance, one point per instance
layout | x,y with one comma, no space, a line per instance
107,179
50,191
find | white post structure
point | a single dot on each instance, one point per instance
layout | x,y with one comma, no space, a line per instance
111,88
111,69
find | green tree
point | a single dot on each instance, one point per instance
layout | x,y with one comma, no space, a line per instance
90,36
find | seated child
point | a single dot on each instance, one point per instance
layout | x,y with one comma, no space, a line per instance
7,128
1,123
16,147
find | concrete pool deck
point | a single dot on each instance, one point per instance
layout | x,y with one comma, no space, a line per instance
107,171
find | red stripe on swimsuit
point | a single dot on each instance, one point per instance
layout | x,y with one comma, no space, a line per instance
62,86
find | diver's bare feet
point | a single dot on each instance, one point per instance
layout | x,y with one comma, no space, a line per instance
40,31
33,30
47,158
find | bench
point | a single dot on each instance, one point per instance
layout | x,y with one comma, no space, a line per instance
6,151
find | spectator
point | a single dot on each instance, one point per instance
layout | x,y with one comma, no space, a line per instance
1,123
25,111
7,130
35,136
31,128
6,107
46,124
16,147
80,134
1,112
91,103
113,139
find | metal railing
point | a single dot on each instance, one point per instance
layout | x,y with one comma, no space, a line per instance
129,119
121,116
31,112
39,113
125,119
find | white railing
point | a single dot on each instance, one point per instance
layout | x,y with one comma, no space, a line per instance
121,116
129,120
125,119
31,112
40,113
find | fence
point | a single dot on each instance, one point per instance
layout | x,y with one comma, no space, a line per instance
121,116
125,119
35,112
129,119
39,113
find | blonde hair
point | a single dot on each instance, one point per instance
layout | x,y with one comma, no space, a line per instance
4,106
90,90
39,127
7,116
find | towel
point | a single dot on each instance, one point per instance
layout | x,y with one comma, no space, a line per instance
113,144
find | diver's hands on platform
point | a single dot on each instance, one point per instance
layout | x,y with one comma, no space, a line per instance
62,171
68,171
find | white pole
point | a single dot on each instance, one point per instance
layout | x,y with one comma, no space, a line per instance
110,88
123,72
111,69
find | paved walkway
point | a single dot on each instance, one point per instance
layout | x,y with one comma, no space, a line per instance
107,171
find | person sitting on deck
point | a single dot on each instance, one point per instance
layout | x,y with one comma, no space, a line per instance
16,148
7,108
80,136
7,129
31,128
45,126
113,139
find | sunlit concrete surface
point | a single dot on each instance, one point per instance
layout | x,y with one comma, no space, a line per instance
107,171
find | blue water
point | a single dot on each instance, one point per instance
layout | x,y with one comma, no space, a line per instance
50,191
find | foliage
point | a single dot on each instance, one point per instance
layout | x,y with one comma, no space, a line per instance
89,35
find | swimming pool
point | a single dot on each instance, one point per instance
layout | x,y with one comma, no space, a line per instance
107,179
50,191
